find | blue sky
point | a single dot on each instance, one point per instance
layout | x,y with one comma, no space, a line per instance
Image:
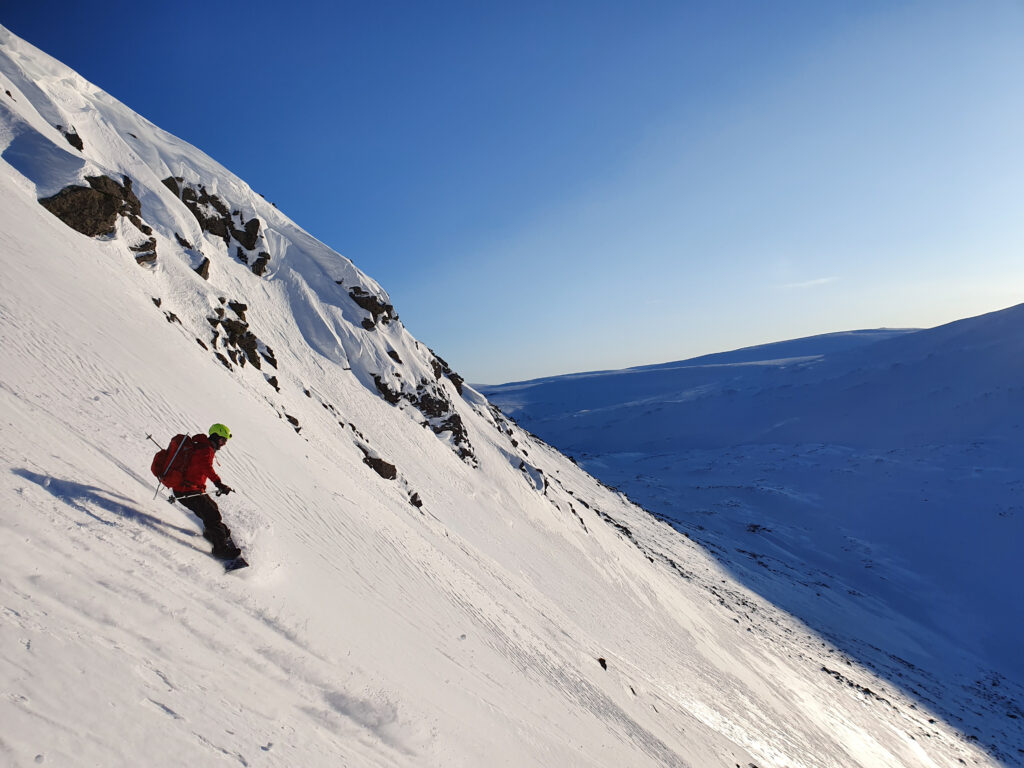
554,187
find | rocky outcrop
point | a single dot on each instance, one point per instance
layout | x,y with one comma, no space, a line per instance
260,265
93,210
383,468
237,339
72,136
237,336
441,368
216,217
380,311
392,396
145,253
460,437
441,416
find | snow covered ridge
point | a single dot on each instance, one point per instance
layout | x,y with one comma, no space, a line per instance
430,585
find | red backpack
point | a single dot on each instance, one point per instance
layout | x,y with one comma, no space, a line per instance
171,463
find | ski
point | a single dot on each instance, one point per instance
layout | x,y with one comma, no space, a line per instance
235,563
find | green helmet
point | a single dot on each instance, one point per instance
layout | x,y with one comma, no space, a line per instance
221,431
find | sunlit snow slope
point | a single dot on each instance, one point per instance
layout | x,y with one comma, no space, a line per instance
430,586
869,483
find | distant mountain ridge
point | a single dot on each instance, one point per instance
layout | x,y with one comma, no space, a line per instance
965,369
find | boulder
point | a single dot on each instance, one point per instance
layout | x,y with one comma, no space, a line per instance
93,210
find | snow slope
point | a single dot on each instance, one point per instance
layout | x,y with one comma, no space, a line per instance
430,585
868,483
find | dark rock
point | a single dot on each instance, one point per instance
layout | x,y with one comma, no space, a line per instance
74,139
238,308
368,324
215,217
183,242
200,203
172,318
203,270
224,360
294,422
249,236
260,265
603,663
386,392
238,335
93,210
145,253
384,469
172,184
272,381
431,406
10,94
442,368
394,356
157,301
269,357
372,304
415,500
435,364
460,435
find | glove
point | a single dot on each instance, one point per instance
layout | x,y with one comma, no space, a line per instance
224,490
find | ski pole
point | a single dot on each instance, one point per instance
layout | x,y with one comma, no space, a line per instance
157,491
174,498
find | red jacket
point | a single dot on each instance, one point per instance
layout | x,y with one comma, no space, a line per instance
200,467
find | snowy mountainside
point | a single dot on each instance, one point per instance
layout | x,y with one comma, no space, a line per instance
872,489
430,585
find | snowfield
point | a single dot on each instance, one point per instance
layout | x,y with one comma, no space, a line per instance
868,483
430,584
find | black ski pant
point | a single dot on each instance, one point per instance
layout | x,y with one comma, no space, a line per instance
206,510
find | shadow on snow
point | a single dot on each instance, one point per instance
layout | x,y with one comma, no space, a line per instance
86,498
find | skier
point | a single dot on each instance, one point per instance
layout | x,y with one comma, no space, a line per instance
191,490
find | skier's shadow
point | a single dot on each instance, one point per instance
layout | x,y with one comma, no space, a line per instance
84,497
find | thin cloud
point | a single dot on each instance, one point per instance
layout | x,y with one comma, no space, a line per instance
809,283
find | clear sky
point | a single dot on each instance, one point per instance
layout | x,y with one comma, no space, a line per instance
549,187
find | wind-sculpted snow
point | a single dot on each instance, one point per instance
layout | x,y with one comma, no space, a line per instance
430,584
